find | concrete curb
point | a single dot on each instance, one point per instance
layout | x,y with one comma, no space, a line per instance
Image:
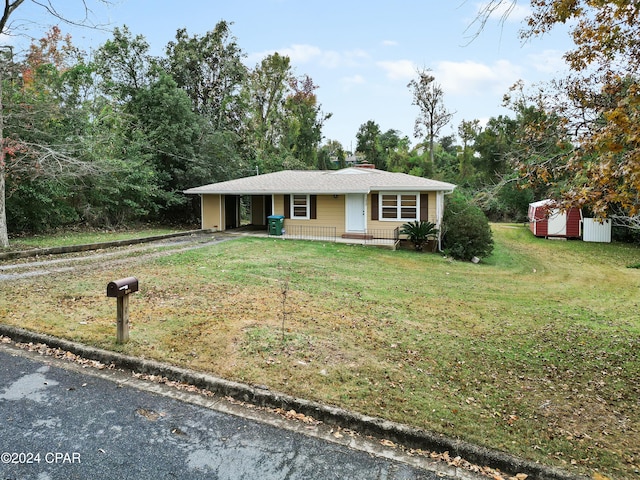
95,246
398,433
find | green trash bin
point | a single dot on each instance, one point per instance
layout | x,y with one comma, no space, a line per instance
276,224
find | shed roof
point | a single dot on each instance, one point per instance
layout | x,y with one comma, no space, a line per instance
319,182
541,203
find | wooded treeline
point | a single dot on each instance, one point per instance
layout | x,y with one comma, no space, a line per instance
116,137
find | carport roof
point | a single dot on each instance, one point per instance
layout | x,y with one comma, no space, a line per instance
323,182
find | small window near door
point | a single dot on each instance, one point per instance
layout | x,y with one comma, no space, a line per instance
300,207
399,207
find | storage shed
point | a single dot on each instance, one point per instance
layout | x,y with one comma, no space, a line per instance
596,230
549,222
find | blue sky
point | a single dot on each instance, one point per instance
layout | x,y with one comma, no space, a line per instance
361,54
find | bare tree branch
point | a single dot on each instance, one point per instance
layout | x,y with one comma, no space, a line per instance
9,8
82,22
488,10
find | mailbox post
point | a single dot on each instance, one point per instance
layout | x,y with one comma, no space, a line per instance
120,289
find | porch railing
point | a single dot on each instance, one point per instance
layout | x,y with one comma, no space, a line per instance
380,236
310,232
383,236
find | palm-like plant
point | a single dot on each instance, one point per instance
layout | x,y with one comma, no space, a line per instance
419,232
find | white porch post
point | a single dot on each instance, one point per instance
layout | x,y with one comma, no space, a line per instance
439,213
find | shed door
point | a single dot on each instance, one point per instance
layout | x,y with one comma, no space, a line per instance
356,220
557,225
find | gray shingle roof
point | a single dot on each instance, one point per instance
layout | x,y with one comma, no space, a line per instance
320,182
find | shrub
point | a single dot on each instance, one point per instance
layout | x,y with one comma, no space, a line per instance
419,232
465,229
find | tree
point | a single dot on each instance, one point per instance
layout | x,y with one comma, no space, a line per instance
175,147
4,235
369,145
498,191
428,96
5,27
446,166
124,66
170,141
264,95
332,154
305,120
47,130
598,105
395,150
468,130
493,144
210,70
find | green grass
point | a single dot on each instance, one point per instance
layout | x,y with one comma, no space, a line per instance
535,351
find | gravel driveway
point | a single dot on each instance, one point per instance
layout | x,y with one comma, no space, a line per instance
48,264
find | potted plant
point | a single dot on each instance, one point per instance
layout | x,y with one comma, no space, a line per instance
418,232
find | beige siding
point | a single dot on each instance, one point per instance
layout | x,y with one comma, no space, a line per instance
432,207
278,205
330,212
212,212
378,224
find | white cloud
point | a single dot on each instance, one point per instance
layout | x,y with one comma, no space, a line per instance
548,61
298,54
473,78
331,59
303,54
355,57
399,69
390,43
352,81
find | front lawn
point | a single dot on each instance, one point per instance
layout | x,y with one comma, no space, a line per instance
535,351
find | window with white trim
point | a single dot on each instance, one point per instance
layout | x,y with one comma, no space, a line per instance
402,207
300,207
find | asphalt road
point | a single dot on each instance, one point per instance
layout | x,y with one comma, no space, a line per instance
62,422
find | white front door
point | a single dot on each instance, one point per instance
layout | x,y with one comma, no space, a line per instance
356,220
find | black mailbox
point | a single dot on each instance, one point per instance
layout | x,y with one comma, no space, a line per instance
122,287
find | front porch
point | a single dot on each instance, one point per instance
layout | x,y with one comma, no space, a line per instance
386,238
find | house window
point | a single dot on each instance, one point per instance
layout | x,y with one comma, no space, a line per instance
300,207
399,207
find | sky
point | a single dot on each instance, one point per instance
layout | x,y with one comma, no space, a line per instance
360,53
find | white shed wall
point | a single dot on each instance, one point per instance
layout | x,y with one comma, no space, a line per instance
594,231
